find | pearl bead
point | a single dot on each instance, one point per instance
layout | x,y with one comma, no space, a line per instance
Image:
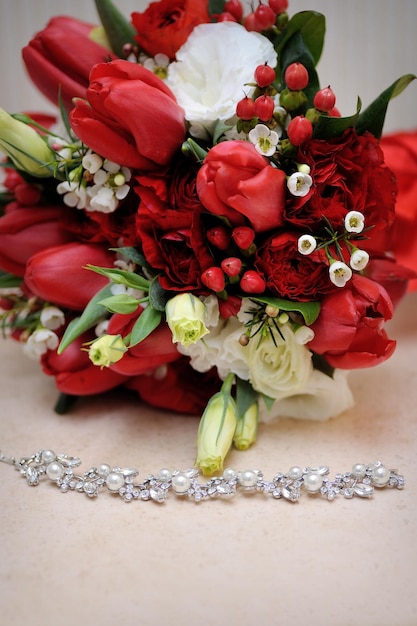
165,474
313,482
248,478
295,472
103,469
229,473
181,483
115,481
48,456
358,470
380,475
55,470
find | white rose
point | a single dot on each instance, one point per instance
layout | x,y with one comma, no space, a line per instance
322,397
212,68
279,369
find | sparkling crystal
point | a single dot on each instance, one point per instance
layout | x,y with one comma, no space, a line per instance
157,494
128,497
145,494
290,494
32,476
64,487
277,493
349,492
90,489
363,490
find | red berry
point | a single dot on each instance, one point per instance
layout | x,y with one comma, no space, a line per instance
324,100
296,76
219,236
250,22
264,17
213,278
27,194
226,17
252,282
335,112
243,236
235,8
264,75
231,266
264,108
299,130
279,6
245,108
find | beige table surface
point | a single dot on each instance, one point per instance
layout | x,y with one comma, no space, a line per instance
67,559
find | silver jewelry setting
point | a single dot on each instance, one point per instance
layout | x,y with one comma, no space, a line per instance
362,480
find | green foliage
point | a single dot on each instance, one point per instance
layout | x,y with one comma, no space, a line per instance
118,29
122,277
245,395
215,7
308,310
8,281
122,303
149,319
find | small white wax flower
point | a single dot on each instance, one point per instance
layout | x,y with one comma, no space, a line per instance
359,260
339,273
101,328
74,195
102,199
354,222
303,168
52,317
92,162
121,192
306,244
111,166
39,342
101,177
303,335
299,184
264,139
158,65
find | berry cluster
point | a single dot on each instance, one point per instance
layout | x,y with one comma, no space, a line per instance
264,17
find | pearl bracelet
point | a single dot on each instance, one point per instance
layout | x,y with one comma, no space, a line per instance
360,481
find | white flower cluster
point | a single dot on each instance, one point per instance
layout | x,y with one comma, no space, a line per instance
44,338
109,185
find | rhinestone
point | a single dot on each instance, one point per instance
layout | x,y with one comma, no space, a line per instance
32,476
145,494
363,490
157,494
90,489
348,493
277,493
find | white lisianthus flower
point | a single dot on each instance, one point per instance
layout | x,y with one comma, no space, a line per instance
279,369
185,317
107,349
213,66
321,398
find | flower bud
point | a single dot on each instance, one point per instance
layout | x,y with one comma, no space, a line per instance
106,350
292,100
185,318
216,430
24,146
246,428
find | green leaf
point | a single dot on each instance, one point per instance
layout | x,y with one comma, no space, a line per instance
158,296
144,325
121,277
309,310
219,130
328,127
122,303
245,395
373,117
192,148
9,280
132,254
215,7
118,29
269,402
92,314
311,26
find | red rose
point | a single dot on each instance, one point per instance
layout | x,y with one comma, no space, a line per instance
74,372
400,150
288,273
166,25
131,117
61,56
235,181
25,231
170,230
348,174
181,388
157,349
349,330
58,274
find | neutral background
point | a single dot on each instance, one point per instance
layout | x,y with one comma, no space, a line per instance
66,559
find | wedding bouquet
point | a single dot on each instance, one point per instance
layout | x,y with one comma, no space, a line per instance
201,225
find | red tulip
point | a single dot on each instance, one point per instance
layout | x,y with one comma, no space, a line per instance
61,56
24,231
75,374
58,274
131,118
157,349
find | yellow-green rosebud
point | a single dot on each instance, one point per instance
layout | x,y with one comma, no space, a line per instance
24,146
106,350
216,430
185,318
246,428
